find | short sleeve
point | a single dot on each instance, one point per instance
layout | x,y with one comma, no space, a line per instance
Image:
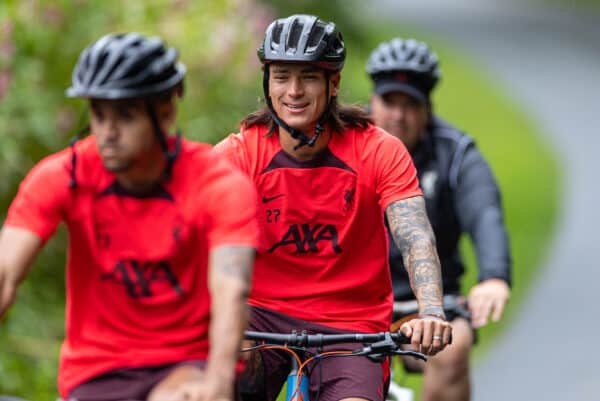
395,175
40,203
233,150
230,204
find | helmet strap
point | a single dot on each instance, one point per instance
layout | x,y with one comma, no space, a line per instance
170,156
297,134
78,135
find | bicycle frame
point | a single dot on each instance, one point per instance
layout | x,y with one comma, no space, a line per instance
297,384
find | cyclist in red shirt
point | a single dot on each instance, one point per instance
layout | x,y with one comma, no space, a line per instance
325,176
160,246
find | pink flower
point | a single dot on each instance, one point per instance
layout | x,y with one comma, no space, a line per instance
7,50
6,28
53,16
180,4
5,80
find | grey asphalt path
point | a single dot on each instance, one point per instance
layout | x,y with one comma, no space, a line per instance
548,59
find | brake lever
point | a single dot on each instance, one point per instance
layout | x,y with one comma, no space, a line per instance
380,357
414,354
378,351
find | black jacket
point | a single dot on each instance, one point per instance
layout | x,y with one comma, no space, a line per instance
461,196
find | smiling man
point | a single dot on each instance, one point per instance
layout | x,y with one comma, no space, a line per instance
326,176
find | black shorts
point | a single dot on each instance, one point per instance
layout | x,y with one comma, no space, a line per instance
331,379
126,384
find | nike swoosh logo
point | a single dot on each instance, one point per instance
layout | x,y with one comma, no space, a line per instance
269,199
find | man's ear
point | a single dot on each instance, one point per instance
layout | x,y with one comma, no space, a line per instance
167,113
334,80
178,91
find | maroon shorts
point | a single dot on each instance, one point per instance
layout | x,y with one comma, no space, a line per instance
331,379
126,384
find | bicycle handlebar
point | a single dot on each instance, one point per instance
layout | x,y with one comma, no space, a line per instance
376,346
315,340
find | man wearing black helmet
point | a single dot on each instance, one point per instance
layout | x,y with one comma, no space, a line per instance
461,196
326,176
158,264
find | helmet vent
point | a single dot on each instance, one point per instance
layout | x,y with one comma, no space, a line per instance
315,37
294,37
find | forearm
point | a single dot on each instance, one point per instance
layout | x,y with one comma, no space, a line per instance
229,282
491,244
18,248
412,233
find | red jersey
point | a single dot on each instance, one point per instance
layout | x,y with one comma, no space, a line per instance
137,291
323,256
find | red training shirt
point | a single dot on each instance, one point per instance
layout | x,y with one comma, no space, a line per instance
323,256
137,291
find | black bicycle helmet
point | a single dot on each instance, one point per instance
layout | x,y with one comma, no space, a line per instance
304,39
128,66
405,61
121,66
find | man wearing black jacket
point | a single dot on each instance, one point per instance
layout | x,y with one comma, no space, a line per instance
461,196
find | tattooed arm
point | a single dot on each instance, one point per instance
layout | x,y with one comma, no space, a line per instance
229,283
412,233
414,237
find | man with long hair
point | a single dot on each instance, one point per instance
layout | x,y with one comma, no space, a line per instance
325,176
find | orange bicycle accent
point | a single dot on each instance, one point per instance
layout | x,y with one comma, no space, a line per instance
395,326
296,395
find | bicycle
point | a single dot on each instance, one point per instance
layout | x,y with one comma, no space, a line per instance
376,346
454,305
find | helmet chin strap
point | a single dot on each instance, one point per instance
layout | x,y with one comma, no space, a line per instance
297,134
170,156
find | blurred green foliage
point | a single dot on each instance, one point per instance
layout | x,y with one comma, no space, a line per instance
39,45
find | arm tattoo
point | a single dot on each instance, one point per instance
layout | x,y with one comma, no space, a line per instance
412,233
229,283
234,261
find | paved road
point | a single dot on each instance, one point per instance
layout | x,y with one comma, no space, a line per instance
549,59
